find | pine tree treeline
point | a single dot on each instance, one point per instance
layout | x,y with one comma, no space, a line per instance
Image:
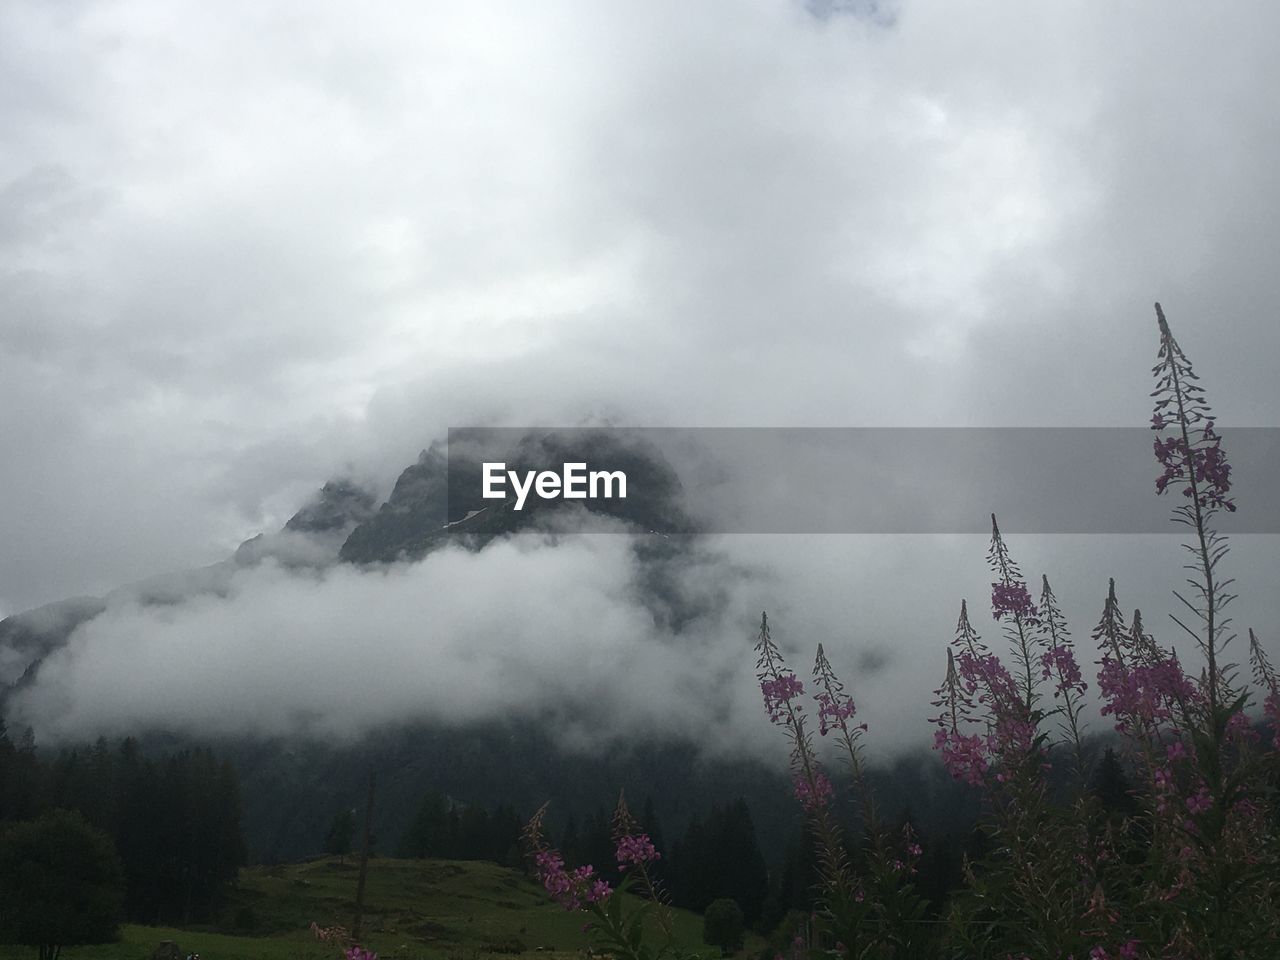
719,858
175,820
444,830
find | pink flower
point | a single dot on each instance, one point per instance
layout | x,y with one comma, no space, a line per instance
636,849
1208,462
1200,801
834,710
572,890
963,756
1194,454
778,692
813,796
1061,660
1146,693
1012,599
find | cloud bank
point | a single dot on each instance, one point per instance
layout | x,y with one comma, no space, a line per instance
565,631
245,248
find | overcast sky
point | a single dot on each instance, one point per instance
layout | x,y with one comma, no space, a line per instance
247,247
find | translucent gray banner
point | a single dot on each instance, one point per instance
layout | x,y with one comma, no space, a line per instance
840,480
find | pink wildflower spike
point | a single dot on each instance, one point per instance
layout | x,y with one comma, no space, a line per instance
571,889
1111,633
1012,599
1009,596
999,559
1060,665
832,712
1059,662
1265,675
1145,696
813,796
778,693
963,756
835,707
636,849
1012,603
1193,455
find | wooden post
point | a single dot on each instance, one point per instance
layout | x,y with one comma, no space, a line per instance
364,860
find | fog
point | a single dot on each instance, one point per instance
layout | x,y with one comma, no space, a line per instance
244,250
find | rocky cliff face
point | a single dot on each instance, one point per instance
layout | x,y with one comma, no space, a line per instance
414,514
439,499
25,638
312,537
339,506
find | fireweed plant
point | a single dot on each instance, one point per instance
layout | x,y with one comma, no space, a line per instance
868,904
617,924
1192,872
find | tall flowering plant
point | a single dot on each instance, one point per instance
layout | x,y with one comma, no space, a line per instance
868,905
614,924
1265,676
997,729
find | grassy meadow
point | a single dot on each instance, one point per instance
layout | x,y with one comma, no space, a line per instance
437,909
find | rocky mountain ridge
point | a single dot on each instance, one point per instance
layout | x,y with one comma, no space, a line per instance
435,501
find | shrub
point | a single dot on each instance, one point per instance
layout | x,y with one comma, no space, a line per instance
509,944
723,925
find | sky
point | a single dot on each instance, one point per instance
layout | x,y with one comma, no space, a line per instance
247,248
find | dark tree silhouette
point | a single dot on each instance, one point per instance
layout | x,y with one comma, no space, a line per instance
337,842
720,858
61,884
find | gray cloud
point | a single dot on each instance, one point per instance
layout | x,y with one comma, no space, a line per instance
556,628
249,249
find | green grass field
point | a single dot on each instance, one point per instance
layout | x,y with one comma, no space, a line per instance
437,909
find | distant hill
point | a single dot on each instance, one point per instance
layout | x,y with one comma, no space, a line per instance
415,910
447,907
